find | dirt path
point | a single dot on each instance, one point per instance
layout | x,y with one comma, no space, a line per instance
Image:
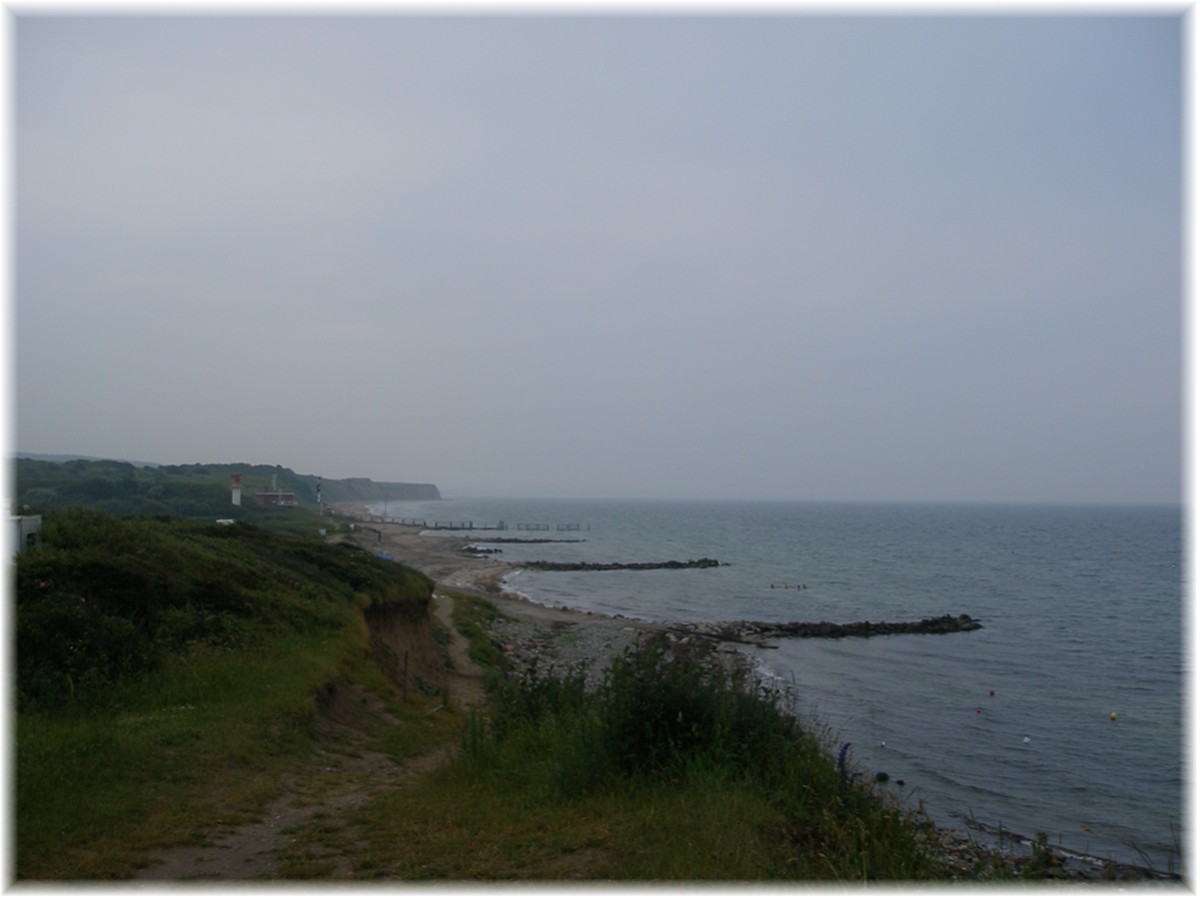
465,678
342,774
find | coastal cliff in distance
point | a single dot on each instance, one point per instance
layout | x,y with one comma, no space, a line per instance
197,490
348,490
333,490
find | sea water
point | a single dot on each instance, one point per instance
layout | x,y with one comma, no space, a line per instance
1010,727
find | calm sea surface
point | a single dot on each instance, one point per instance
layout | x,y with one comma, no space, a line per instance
1010,725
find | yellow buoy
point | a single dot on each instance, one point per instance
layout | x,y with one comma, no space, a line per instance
1112,717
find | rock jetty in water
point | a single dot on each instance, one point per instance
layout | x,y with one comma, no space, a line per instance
758,632
703,563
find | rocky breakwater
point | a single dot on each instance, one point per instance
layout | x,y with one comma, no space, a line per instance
544,565
759,633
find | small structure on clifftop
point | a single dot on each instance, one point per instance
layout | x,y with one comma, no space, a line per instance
26,528
280,499
275,497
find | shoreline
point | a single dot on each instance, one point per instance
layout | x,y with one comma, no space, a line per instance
543,633
552,639
442,558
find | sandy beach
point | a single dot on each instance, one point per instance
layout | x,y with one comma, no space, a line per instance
553,638
452,568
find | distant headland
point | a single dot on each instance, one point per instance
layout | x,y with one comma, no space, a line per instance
123,487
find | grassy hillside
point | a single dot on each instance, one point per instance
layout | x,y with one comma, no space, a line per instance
167,672
104,598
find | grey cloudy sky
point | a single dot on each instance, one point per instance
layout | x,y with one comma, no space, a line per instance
927,257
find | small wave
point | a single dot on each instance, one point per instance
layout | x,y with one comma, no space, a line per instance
507,588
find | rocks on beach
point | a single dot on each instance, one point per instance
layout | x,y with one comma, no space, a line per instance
563,648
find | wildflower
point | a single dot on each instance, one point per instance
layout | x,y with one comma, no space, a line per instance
843,752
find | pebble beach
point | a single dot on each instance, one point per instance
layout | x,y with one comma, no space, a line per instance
556,639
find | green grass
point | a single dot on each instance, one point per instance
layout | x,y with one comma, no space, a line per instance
96,790
190,748
472,617
244,631
669,771
106,599
486,830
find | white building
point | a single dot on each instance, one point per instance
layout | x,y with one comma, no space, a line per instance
26,528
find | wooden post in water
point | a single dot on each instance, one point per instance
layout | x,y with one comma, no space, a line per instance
405,676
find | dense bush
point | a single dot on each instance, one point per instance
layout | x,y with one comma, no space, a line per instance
67,644
660,707
104,598
667,717
658,711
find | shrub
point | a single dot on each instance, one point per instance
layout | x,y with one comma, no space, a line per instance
104,598
659,707
663,717
658,712
68,645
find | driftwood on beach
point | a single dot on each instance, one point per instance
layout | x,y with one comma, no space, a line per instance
757,632
704,563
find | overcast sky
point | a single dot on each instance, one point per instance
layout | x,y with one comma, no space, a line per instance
923,258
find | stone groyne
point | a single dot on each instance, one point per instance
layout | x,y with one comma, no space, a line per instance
703,563
759,632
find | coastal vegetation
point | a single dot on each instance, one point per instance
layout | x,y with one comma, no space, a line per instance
173,676
168,672
672,769
193,491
